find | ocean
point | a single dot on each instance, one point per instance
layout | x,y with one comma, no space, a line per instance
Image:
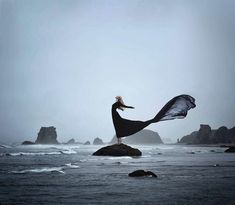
69,174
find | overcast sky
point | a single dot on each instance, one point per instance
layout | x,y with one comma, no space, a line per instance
63,62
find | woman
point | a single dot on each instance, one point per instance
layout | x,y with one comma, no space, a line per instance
176,108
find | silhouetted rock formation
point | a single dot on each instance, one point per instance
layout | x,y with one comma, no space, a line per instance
98,141
203,135
71,141
230,150
87,143
47,135
142,173
221,135
206,135
189,139
118,150
27,143
144,137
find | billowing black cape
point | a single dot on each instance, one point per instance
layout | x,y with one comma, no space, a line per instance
176,108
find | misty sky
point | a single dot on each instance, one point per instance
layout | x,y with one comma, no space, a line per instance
63,62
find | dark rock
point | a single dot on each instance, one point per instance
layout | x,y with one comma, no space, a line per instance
191,152
47,135
189,139
142,173
230,150
221,135
87,143
118,150
144,137
27,143
203,135
71,141
98,141
206,135
232,135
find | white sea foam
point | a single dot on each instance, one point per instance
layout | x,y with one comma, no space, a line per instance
68,151
41,153
118,163
32,153
124,157
40,170
70,165
4,146
82,160
146,156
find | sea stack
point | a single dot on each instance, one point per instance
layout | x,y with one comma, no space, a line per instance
144,137
47,135
98,141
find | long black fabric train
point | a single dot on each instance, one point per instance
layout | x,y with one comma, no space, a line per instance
176,108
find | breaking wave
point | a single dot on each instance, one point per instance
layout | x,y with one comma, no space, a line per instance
4,146
40,170
40,153
60,169
70,165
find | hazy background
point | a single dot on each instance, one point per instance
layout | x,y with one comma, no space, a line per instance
63,62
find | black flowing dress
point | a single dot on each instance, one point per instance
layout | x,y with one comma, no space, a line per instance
176,108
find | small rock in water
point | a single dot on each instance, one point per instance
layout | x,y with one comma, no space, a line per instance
191,152
87,143
71,141
98,141
142,173
27,143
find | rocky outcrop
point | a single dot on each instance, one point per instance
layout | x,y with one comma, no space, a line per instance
231,135
47,135
230,150
71,141
144,137
205,135
221,135
118,150
189,139
27,143
87,143
98,141
142,173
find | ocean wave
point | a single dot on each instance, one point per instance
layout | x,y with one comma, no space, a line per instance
70,165
47,169
31,153
124,157
118,163
5,146
145,156
82,160
68,151
40,170
39,153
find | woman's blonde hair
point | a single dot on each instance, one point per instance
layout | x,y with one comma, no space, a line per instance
119,99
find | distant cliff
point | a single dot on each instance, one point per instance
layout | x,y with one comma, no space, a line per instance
144,137
205,135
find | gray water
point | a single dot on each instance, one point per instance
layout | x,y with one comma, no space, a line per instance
63,174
